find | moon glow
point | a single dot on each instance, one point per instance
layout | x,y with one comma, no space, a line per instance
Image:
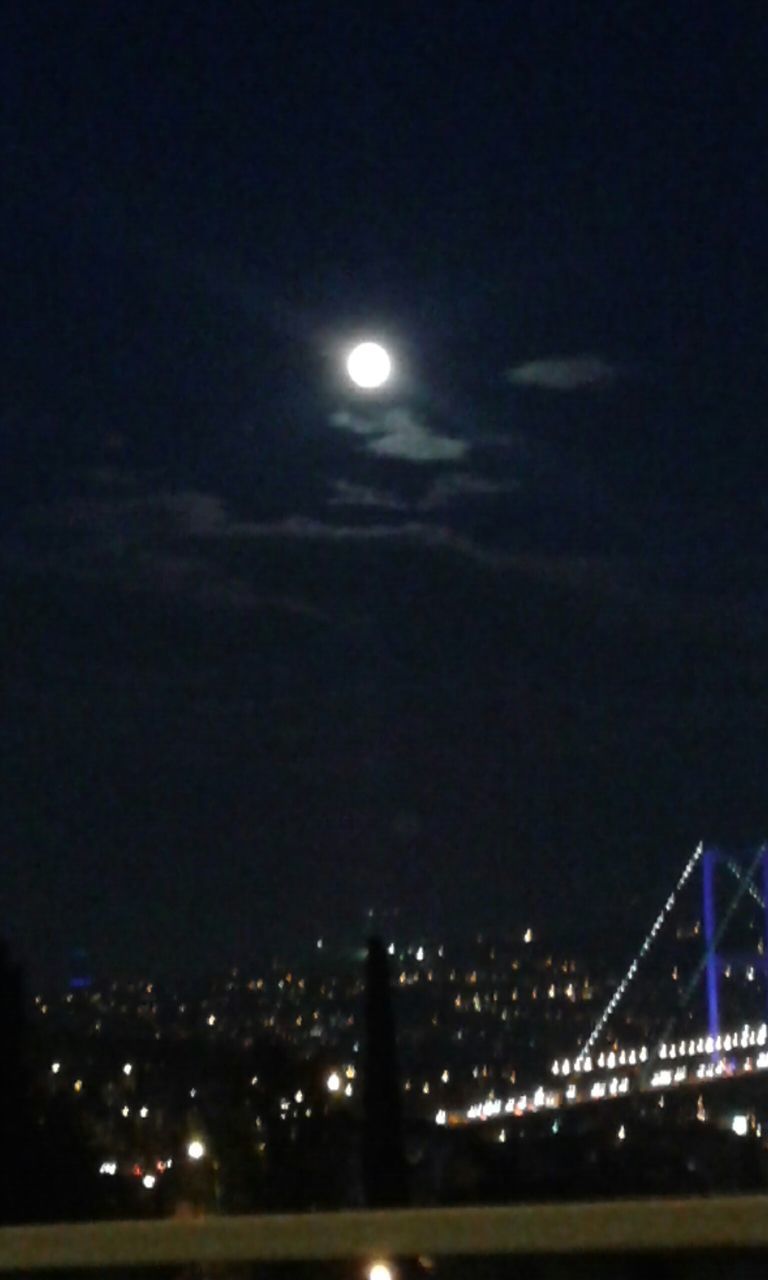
369,365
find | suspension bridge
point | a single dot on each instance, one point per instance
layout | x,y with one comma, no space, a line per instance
602,1068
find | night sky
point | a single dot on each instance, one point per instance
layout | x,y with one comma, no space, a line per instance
489,645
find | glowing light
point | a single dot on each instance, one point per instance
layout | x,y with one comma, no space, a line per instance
369,365
148,1181
78,1086
109,1167
298,1096
144,1112
127,1068
55,1068
420,954
528,935
195,1149
126,1111
348,1090
740,1126
380,1271
621,1135
333,1083
441,1117
211,1019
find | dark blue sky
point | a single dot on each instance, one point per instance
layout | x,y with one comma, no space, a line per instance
488,645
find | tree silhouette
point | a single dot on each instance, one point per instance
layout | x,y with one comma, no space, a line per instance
384,1169
53,1171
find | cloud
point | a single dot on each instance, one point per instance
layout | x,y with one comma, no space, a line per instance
463,484
564,373
348,494
398,433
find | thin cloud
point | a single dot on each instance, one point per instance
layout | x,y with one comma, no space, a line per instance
564,373
348,494
398,433
463,484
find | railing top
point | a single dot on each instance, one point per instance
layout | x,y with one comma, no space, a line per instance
733,1222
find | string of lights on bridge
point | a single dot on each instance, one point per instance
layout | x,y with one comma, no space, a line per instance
647,943
621,1072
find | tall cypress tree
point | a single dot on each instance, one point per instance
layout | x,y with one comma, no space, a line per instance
384,1167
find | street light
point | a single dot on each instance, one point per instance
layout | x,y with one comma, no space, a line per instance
333,1084
196,1149
380,1271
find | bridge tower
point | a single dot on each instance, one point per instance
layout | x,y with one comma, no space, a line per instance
716,959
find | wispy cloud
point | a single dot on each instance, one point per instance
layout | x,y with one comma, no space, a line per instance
345,493
399,433
463,484
564,373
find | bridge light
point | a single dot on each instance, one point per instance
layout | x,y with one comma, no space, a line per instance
380,1271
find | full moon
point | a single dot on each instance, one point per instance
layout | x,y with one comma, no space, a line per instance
369,365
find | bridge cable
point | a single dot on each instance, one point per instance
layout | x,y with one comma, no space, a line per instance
629,976
693,982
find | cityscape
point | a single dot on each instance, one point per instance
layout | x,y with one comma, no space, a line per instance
384,640
229,1094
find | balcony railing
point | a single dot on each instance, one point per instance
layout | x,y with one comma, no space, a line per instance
607,1229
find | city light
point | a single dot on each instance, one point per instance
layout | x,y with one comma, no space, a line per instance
740,1126
109,1167
127,1068
148,1181
55,1068
380,1271
333,1083
195,1149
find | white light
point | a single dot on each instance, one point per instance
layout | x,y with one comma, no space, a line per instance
621,1135
127,1069
55,1068
441,1117
630,974
126,1111
740,1126
211,1019
333,1083
369,365
391,949
144,1112
380,1271
348,1090
195,1149
420,954
319,944
109,1167
298,1096
149,1181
